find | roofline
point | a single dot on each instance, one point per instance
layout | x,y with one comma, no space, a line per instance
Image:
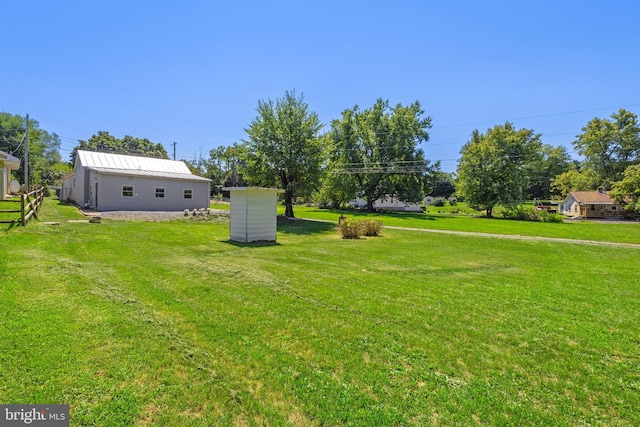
149,174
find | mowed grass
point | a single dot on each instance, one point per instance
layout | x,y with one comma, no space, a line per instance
619,231
141,323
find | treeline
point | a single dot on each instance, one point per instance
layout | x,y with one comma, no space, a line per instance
373,152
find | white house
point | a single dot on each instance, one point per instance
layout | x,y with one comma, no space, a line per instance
110,182
7,164
388,203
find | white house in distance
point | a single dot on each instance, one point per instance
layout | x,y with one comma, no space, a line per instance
389,203
110,182
7,164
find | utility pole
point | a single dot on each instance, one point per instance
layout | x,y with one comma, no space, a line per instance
174,150
26,159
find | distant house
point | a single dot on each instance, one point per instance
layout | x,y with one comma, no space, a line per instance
388,203
7,164
109,182
591,204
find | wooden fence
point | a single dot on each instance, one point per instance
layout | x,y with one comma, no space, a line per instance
29,206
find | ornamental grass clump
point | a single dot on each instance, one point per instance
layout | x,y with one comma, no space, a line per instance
350,228
370,227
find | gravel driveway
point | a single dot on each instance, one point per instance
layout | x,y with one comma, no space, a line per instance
151,215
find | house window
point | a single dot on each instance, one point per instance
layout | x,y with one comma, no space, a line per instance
127,191
575,208
188,194
159,193
613,208
593,207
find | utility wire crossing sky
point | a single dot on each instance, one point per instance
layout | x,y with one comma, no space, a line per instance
193,72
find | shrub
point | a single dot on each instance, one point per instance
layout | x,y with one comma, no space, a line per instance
370,226
523,214
438,201
350,228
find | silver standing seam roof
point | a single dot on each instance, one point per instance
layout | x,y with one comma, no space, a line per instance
122,164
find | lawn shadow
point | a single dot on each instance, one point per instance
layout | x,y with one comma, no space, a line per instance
259,244
304,227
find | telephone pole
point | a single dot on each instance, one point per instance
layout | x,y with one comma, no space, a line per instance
26,159
174,150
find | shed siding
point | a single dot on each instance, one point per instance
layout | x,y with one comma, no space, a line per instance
253,215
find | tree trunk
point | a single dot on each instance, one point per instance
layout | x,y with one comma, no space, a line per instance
288,205
370,205
490,212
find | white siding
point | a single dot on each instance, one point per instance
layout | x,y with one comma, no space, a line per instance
253,214
144,198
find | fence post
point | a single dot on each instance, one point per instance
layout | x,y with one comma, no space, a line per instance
22,213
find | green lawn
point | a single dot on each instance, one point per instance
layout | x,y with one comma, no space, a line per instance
136,323
623,231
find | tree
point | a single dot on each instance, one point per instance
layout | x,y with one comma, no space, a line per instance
377,150
573,180
223,166
495,167
628,189
105,142
551,162
45,164
283,148
610,146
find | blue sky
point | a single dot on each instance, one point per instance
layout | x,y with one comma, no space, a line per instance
193,71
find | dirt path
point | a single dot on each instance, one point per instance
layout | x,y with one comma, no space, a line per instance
520,237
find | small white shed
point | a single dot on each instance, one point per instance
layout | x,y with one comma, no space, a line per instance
253,213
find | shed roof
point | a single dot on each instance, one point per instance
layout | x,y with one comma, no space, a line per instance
277,190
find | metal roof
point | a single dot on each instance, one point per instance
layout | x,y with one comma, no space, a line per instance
122,162
133,172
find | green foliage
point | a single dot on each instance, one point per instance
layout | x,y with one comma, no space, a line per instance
628,189
103,141
522,213
610,146
549,163
45,164
283,148
573,180
496,167
439,201
376,151
223,166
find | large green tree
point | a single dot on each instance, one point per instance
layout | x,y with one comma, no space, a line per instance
551,162
376,151
45,164
105,142
573,180
495,168
610,146
628,189
283,148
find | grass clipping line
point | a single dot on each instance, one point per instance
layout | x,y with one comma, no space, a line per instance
351,228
